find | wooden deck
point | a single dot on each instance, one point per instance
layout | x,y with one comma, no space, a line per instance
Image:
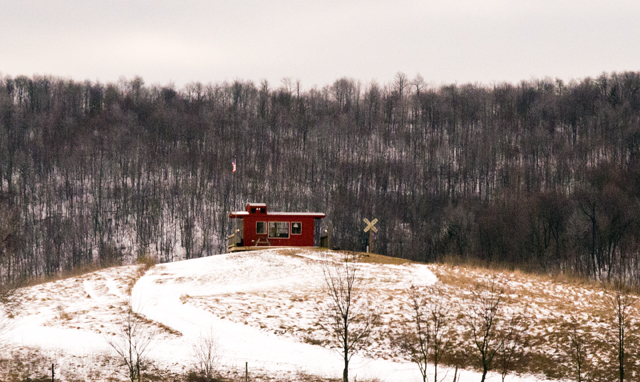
242,249
254,248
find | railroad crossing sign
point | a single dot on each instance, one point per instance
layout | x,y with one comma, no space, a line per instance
370,228
370,225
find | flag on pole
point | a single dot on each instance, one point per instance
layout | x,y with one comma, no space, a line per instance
233,163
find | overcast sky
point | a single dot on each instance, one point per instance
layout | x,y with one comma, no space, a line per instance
446,41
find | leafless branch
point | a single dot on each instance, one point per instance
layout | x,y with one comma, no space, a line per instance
346,319
207,354
132,342
490,327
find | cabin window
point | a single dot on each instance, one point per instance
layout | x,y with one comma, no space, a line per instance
261,228
296,228
279,230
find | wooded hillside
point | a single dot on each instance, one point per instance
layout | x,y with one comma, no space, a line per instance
542,174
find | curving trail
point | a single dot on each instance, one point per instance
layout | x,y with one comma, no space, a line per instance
187,295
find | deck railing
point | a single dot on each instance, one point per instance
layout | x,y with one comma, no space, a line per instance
234,241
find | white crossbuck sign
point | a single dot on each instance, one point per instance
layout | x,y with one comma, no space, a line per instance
370,225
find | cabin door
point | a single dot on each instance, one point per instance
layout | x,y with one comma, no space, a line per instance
235,239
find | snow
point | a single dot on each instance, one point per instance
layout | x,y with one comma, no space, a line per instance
262,306
264,272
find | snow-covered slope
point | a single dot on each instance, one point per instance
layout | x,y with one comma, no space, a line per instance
257,302
262,306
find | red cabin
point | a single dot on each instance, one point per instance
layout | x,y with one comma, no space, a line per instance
257,227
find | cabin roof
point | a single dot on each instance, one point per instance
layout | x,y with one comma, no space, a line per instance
260,209
317,215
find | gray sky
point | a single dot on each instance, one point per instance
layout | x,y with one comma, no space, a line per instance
318,41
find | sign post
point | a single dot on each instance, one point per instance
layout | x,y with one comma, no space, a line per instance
370,228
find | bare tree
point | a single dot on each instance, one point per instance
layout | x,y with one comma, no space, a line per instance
10,239
419,83
623,305
577,350
347,320
438,308
401,82
415,341
207,354
8,302
428,338
490,328
509,355
132,342
287,84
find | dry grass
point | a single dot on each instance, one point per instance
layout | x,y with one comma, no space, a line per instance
293,252
158,325
548,305
145,263
62,315
498,268
75,272
372,258
31,364
360,257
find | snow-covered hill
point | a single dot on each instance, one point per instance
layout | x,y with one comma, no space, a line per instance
261,305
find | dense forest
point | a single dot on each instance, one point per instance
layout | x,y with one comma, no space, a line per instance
542,174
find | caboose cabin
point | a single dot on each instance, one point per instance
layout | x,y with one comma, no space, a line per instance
257,227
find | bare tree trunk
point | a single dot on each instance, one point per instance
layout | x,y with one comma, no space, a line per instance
132,341
619,299
347,320
489,327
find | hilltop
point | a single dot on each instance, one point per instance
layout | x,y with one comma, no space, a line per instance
263,307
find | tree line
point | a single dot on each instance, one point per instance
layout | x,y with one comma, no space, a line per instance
542,174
